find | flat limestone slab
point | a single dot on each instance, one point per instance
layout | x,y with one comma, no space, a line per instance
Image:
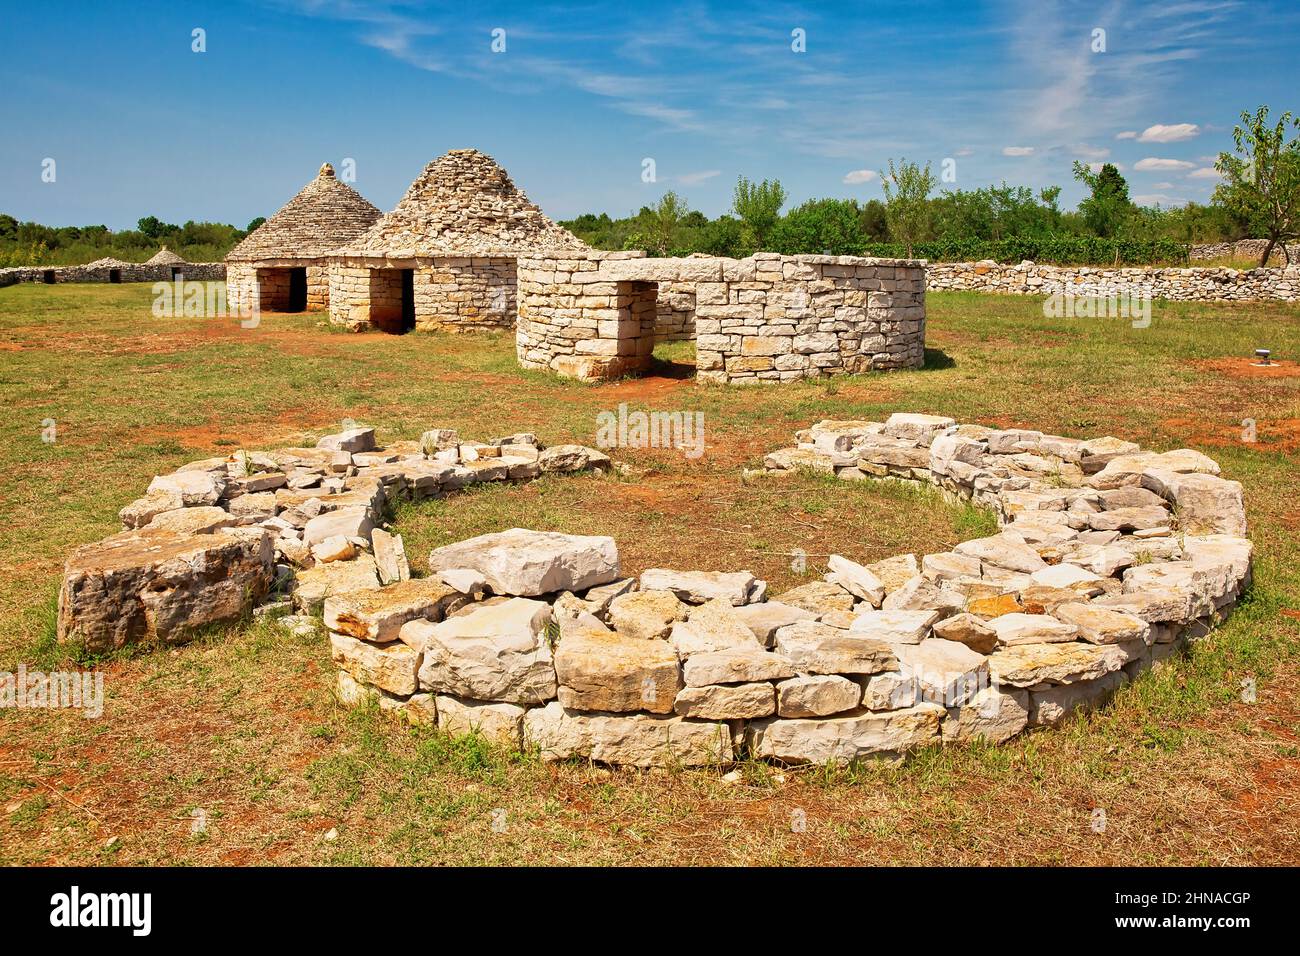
379,615
526,563
637,740
842,739
160,585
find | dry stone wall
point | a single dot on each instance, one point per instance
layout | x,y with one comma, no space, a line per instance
765,318
1108,560
267,283
1241,249
126,272
450,294
1184,285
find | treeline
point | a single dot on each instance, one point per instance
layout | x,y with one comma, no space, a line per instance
1003,223
32,244
1258,196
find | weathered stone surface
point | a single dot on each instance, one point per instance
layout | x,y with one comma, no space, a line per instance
1024,665
1130,519
1128,469
143,510
634,740
616,673
1103,625
528,563
766,618
735,702
1155,605
565,458
416,708
1031,629
969,630
994,605
948,566
602,596
736,665
896,571
995,715
857,580
920,594
390,556
819,597
194,487
696,587
1206,504
315,584
151,585
496,652
817,696
1003,551
946,672
498,722
334,548
646,614
817,648
1042,599
378,615
842,739
895,626
1051,705
1067,576
915,427
352,440
348,522
391,667
199,520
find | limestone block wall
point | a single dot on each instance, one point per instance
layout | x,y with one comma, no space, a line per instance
241,285
676,312
1184,285
451,294
1241,249
128,272
270,277
765,318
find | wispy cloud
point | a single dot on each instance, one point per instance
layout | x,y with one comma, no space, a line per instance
1152,164
856,177
1169,134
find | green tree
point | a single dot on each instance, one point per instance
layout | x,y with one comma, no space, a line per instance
151,226
820,226
1261,181
659,226
872,222
1107,209
759,206
907,207
254,224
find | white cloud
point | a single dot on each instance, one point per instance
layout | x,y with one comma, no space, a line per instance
1017,150
694,179
965,151
858,176
1096,167
1151,164
1157,199
1090,152
1169,134
1127,134
1205,172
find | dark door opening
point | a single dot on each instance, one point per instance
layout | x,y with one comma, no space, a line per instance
176,272
297,290
48,277
408,300
115,275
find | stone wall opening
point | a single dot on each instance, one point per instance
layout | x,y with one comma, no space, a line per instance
48,277
391,300
177,272
115,276
297,290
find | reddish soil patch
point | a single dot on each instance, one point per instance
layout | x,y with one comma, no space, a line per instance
1249,367
1281,434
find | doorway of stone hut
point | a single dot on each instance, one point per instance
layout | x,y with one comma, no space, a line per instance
297,290
392,300
115,275
48,277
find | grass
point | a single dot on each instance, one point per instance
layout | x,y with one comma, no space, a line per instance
242,725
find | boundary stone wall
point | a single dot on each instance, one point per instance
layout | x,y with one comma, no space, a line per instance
130,272
1241,249
270,277
1183,285
765,318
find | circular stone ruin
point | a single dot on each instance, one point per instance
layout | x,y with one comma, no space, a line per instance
1108,560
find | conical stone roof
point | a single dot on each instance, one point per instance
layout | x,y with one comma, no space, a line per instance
323,216
165,257
463,204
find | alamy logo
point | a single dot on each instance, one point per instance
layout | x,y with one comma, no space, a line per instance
623,429
36,690
74,908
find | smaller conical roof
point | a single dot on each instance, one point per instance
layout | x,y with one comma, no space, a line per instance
323,216
165,257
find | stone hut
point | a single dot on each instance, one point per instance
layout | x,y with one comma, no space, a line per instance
167,262
445,257
283,261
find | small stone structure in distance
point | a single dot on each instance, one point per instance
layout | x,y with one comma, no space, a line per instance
767,318
281,265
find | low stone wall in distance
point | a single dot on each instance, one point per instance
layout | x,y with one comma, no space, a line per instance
1183,285
767,318
1241,249
131,272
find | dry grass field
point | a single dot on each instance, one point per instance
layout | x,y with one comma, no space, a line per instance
241,729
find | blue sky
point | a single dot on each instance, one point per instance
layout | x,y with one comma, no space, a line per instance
139,124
